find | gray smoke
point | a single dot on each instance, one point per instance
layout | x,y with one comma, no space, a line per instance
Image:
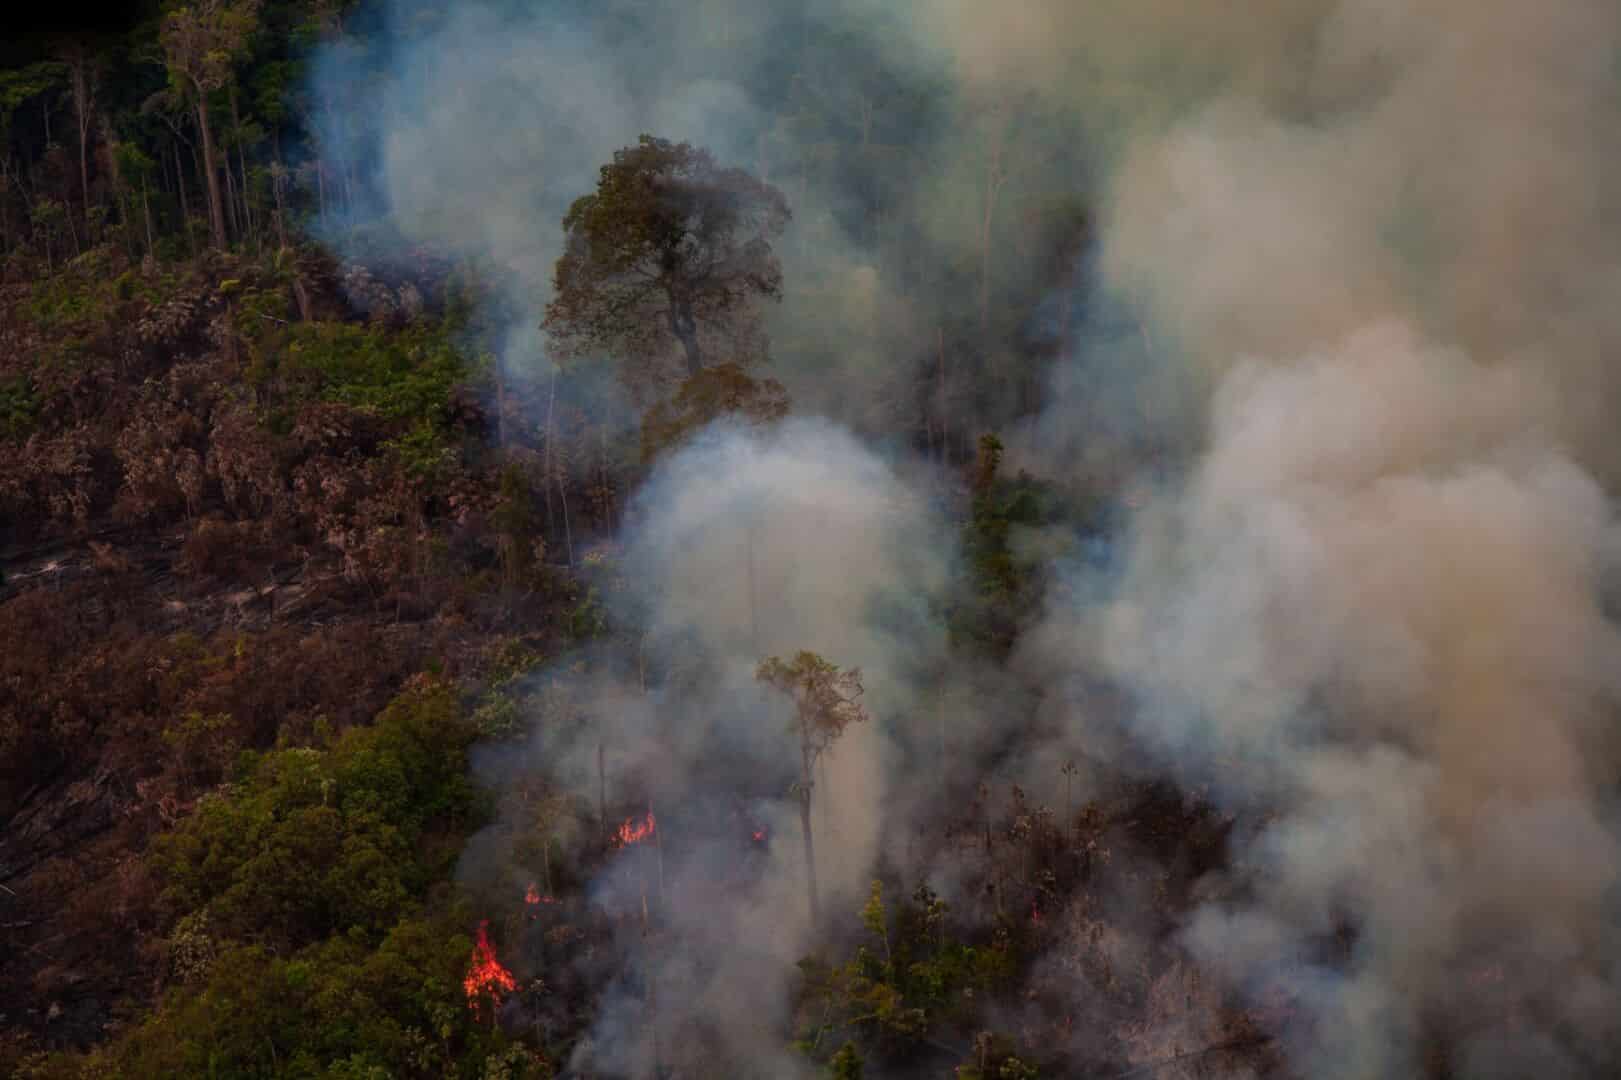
1374,614
1354,260
741,545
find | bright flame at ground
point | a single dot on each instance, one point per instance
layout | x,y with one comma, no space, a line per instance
486,978
632,833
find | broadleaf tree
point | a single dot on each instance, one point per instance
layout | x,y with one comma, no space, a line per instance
670,256
827,699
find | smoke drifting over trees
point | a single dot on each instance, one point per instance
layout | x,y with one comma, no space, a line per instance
1352,272
1199,420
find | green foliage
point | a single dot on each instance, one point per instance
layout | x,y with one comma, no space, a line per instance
85,301
303,948
338,1008
873,916
203,745
587,619
718,390
19,406
421,453
200,42
504,710
1001,581
921,982
826,697
22,85
846,1064
669,248
316,842
402,375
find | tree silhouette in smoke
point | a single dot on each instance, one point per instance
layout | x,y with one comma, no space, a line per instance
825,703
671,249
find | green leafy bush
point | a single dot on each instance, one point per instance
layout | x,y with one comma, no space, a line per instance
19,407
333,1009
317,842
304,949
400,374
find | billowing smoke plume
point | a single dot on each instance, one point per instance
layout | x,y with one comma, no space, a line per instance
471,128
1354,262
742,545
1374,612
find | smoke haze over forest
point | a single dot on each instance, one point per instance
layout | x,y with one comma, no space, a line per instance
1183,435
1354,259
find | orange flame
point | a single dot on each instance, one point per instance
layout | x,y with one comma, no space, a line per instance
632,833
533,898
486,978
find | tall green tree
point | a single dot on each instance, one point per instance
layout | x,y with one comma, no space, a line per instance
670,250
200,43
826,701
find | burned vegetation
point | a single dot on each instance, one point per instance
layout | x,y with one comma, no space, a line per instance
734,539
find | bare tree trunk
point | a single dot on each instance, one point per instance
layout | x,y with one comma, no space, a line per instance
500,404
605,480
345,166
568,530
685,329
242,162
945,417
810,857
123,198
602,794
216,207
551,437
806,780
990,855
658,849
5,207
232,212
276,183
73,229
81,108
652,997
185,206
754,618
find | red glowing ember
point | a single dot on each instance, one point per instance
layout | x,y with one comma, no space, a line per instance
1035,914
486,978
759,836
632,833
534,898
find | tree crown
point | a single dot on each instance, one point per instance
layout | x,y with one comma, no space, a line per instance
827,696
670,247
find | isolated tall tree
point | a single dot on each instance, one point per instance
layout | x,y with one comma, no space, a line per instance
670,249
83,64
200,42
826,700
